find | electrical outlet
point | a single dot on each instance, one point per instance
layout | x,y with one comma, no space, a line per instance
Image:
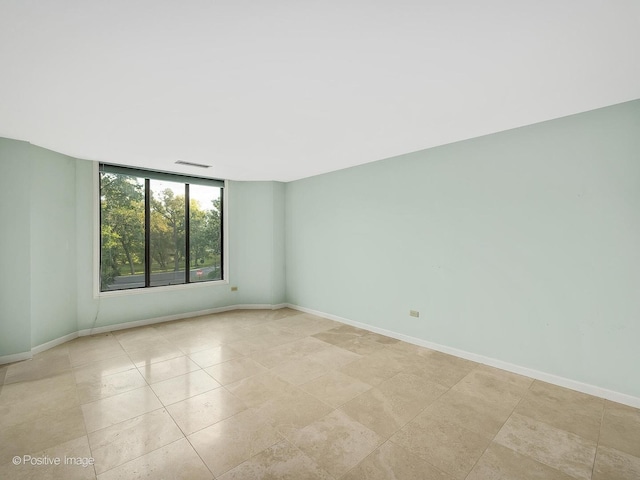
234,289
414,313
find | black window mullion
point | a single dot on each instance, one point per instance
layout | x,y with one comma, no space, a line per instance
187,241
100,180
147,232
221,235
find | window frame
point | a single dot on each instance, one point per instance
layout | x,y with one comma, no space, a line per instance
98,293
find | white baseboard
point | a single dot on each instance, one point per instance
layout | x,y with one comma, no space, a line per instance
17,357
53,343
260,306
150,321
179,316
493,362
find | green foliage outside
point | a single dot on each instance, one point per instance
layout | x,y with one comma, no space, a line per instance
123,236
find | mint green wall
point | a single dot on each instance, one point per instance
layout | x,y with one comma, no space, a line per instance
278,285
47,246
15,253
38,259
521,246
86,305
53,246
256,259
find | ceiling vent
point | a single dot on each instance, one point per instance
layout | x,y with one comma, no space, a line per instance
191,164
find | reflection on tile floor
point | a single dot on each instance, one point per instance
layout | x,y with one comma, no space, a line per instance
281,394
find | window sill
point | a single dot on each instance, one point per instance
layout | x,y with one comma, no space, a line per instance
163,289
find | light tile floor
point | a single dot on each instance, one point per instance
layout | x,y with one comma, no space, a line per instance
285,395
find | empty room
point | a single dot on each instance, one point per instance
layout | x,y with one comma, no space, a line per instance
320,240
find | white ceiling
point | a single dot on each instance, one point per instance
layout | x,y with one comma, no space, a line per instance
280,90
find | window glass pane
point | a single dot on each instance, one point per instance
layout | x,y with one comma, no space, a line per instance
205,233
167,237
121,232
144,241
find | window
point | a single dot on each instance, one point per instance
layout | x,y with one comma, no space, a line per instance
158,229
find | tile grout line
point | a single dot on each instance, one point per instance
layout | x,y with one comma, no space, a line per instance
290,442
84,423
196,452
496,434
595,456
547,425
164,407
279,434
140,456
388,439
